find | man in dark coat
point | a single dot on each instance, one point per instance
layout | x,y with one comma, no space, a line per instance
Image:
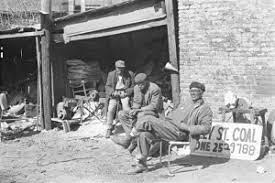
147,102
119,88
186,123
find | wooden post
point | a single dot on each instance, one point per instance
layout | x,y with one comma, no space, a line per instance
108,2
52,87
71,6
46,63
175,81
39,84
83,5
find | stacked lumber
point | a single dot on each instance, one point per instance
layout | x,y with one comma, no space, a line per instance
79,70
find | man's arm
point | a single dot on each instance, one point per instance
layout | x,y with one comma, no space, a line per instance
130,90
155,101
137,98
108,87
203,126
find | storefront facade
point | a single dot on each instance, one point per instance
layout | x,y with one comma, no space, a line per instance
139,32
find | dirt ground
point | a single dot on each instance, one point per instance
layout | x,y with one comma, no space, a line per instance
85,156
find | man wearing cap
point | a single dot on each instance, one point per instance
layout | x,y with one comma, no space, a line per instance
119,88
147,102
186,123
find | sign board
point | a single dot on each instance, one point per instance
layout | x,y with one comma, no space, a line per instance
231,140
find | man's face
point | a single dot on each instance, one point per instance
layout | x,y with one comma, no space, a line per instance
120,70
196,93
142,85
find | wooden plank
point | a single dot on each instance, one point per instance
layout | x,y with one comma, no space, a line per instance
71,6
20,35
52,87
39,83
175,81
66,123
82,5
46,7
102,11
58,38
116,20
46,65
121,30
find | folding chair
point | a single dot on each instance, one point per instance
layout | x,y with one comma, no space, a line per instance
185,150
93,112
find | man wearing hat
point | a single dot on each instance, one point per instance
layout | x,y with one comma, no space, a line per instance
147,103
119,88
186,123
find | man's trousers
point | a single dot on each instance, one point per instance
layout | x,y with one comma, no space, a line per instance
112,106
156,128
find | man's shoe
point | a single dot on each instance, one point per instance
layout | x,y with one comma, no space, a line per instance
122,140
108,133
141,167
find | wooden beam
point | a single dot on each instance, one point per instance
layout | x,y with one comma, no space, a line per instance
52,88
41,120
46,62
115,31
144,14
108,2
71,6
82,5
69,19
130,6
20,35
175,81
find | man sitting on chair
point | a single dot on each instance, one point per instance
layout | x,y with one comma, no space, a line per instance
147,103
119,87
186,122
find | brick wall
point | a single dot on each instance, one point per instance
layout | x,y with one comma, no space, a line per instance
228,45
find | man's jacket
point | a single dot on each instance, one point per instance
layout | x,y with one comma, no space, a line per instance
128,80
150,101
198,116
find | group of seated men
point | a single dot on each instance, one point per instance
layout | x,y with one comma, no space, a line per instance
143,123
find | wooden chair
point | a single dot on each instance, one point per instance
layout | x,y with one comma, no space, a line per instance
81,88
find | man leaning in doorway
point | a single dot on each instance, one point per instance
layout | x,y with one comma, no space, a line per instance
186,123
119,88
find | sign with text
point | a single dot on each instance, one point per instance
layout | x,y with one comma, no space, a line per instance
231,140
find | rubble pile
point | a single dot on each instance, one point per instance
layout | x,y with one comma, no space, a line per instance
12,128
